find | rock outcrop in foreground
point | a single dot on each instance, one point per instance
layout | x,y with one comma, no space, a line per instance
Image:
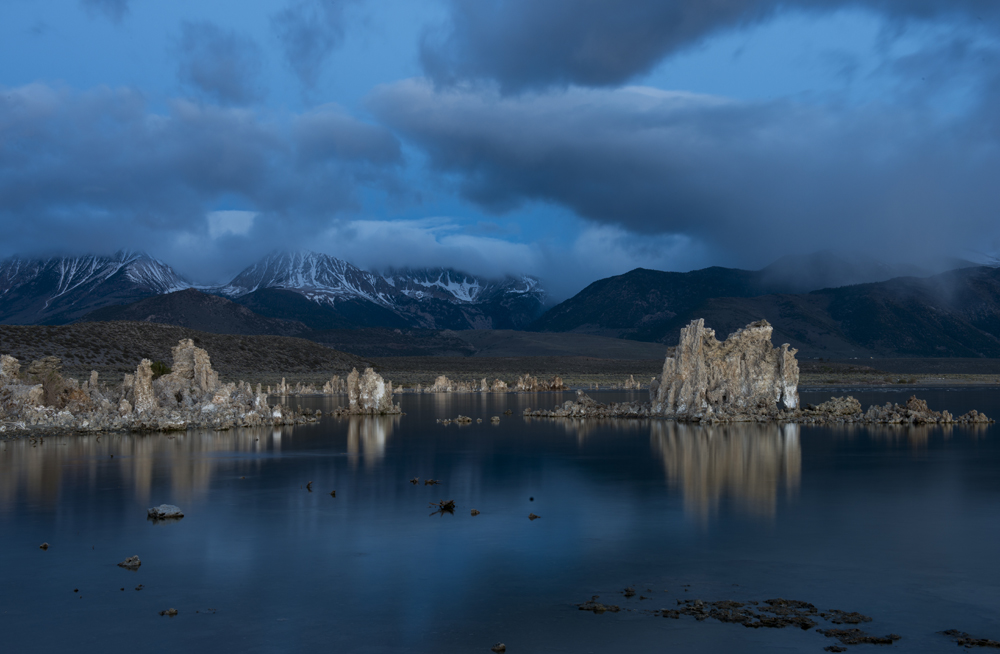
189,396
744,379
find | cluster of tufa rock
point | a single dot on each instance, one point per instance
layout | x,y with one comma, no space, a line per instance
743,379
190,396
524,384
368,394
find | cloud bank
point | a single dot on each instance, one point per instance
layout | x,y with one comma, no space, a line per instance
532,44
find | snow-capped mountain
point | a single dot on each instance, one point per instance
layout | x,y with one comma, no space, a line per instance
62,289
317,290
429,298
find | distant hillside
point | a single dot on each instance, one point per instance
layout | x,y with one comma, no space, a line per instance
196,310
954,314
641,303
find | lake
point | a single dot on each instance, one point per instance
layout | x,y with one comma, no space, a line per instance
900,524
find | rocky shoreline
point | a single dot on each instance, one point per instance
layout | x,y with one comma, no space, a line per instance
185,396
837,410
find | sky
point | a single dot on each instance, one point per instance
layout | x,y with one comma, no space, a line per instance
566,139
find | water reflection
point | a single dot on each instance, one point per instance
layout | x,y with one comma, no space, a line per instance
367,436
746,463
37,469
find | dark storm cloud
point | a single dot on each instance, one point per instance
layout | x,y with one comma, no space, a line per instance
113,9
98,169
752,179
309,31
526,44
221,64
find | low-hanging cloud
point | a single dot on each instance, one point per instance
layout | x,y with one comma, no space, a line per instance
753,180
531,44
309,31
99,170
221,65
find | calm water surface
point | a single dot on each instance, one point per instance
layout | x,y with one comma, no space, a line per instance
899,524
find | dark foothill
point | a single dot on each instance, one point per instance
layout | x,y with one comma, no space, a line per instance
597,607
532,516
962,638
169,612
43,546
858,637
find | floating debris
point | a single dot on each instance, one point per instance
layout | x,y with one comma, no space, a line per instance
169,612
415,481
43,546
333,493
131,563
532,516
475,512
164,512
431,482
139,587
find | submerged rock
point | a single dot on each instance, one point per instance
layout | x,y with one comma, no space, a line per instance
165,512
131,563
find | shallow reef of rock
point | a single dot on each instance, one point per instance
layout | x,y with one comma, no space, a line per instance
744,379
190,396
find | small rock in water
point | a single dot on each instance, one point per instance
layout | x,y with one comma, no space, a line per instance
495,420
475,512
415,481
169,612
309,487
431,482
333,493
532,516
499,647
508,412
139,587
131,563
43,546
164,512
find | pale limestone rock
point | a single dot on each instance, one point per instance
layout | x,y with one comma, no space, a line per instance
335,386
369,394
192,364
143,400
744,375
9,367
